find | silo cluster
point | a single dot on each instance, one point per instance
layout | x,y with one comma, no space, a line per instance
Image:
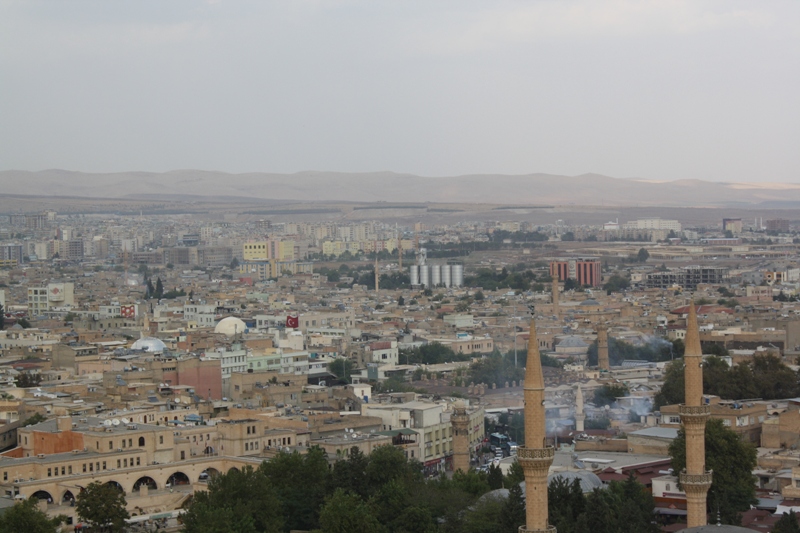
449,275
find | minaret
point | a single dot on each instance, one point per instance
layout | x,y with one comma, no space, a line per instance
695,479
579,414
535,457
377,269
400,252
460,421
602,347
554,296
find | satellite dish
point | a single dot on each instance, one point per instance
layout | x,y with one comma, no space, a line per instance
125,421
350,430
579,464
107,423
115,421
177,400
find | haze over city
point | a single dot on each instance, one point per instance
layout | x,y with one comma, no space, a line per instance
653,90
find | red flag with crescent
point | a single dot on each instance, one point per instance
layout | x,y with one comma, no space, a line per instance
292,321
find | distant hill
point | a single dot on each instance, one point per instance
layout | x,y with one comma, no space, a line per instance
530,189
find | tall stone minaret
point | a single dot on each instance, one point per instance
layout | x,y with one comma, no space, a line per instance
535,457
460,421
580,416
602,347
695,479
554,296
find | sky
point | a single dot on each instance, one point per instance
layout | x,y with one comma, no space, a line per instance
661,90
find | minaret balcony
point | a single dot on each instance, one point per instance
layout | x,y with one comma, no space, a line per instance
550,529
696,482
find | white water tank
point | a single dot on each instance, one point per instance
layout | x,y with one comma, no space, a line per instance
413,272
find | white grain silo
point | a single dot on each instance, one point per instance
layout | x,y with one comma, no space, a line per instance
457,274
447,279
413,273
425,275
436,275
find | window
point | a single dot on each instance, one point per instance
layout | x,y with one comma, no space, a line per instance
104,465
63,471
161,439
5,476
138,461
110,445
674,419
119,463
49,472
84,468
125,463
130,443
183,455
91,467
141,441
69,470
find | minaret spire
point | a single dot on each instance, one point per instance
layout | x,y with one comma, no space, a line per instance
535,457
580,416
695,479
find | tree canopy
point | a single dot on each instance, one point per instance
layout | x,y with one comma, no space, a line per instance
239,502
103,506
624,507
25,516
764,377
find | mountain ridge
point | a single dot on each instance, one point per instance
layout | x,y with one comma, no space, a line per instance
311,185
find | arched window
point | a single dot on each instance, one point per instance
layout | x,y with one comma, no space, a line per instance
141,441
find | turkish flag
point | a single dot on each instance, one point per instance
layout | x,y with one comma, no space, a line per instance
292,321
127,311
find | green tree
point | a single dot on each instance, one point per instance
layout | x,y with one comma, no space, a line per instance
34,419
673,391
24,323
513,515
234,264
350,474
616,283
347,513
732,460
495,477
342,368
102,506
300,481
516,475
2,317
25,516
159,292
239,502
643,255
787,524
608,394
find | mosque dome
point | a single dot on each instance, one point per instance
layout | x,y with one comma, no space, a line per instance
230,326
590,302
717,529
588,480
149,344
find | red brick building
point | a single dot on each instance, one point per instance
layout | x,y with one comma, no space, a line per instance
586,270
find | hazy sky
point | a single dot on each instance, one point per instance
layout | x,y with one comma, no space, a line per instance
654,89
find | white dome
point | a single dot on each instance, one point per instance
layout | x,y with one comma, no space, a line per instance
149,344
230,326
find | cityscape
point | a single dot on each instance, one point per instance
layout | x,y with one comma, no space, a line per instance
399,267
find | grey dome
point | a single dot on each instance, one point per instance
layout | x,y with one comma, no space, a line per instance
589,480
572,342
590,301
149,344
717,529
